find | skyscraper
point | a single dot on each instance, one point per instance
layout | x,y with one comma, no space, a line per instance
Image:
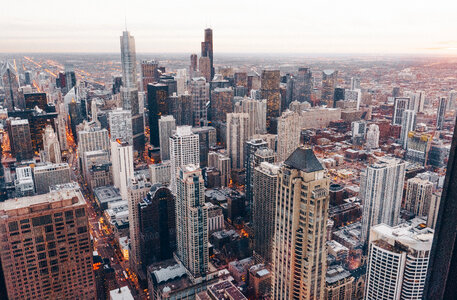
120,125
329,81
303,85
221,104
289,131
48,175
408,123
269,90
51,146
45,246
20,139
192,221
33,100
441,113
372,141
193,65
381,191
251,147
122,163
129,90
398,260
157,106
10,82
204,66
257,110
265,180
419,194
299,257
400,104
167,124
184,150
199,90
237,135
207,49
149,73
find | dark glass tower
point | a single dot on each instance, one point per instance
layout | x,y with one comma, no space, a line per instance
207,48
157,106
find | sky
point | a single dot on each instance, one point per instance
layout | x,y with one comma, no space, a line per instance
247,26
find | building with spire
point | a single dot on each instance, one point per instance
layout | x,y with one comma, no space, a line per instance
10,83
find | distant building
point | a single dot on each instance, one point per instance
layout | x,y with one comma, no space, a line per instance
221,104
207,140
418,147
329,81
289,131
372,140
442,104
199,90
269,90
222,163
408,124
257,110
400,104
149,73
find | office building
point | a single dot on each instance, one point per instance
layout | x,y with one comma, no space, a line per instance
257,110
452,99
222,163
207,50
193,65
51,146
199,90
184,150
237,135
20,139
299,259
381,191
221,104
138,187
372,140
161,172
181,81
157,106
120,125
302,85
207,139
408,123
398,260
400,105
418,147
204,66
358,130
251,147
441,114
48,175
58,246
355,83
192,221
167,125
33,100
10,83
269,90
92,139
329,81
419,193
157,226
122,164
338,283
265,180
180,107
150,73
289,131
23,184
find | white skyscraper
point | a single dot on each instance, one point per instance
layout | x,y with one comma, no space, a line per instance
128,60
381,191
192,221
289,130
181,81
372,141
51,146
257,110
408,123
167,124
184,150
398,260
237,135
120,125
122,165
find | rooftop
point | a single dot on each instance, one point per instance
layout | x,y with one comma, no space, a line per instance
304,159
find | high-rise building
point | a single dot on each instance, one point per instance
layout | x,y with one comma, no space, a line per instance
206,139
184,150
221,104
289,131
416,101
181,81
299,259
251,147
33,100
157,106
43,238
10,83
180,107
199,90
418,147
237,135
302,85
122,164
92,139
381,191
20,139
355,83
138,188
193,65
129,90
192,221
419,194
23,183
269,90
441,113
150,73
157,226
222,163
408,123
51,146
257,110
358,130
372,140
329,81
452,100
48,175
120,125
70,77
204,66
167,124
265,180
398,260
207,50
400,104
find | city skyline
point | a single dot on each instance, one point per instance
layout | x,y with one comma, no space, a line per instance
45,27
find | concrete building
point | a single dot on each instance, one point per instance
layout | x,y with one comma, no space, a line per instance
398,260
372,140
408,123
419,194
215,218
51,146
207,138
251,147
257,110
338,284
161,172
122,164
222,163
237,135
400,105
381,191
45,237
192,221
440,115
265,181
120,125
167,125
149,73
23,183
48,175
199,90
289,131
221,104
299,258
92,139
418,147
184,150
20,139
319,117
